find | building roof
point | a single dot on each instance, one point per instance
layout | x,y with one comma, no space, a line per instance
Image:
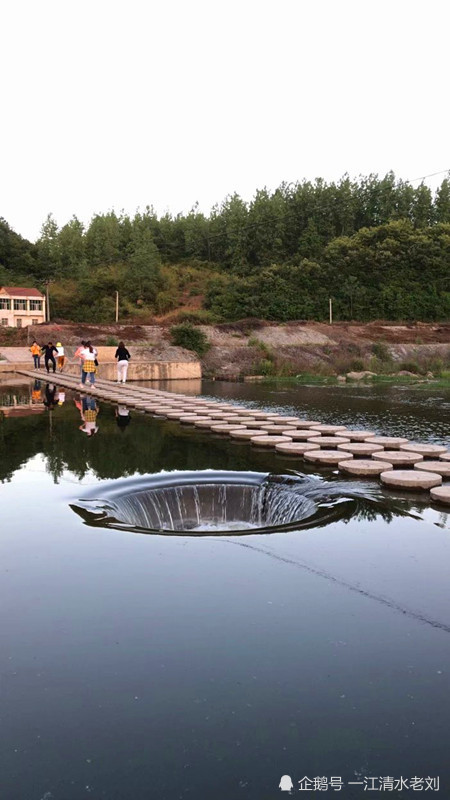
20,291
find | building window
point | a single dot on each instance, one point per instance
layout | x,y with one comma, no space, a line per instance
35,305
5,304
35,322
5,323
19,323
20,305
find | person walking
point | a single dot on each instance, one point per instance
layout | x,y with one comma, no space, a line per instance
61,356
88,410
123,358
35,351
78,353
47,351
88,354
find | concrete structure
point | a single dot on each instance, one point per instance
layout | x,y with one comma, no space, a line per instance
21,306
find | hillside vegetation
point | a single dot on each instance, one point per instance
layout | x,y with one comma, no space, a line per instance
378,246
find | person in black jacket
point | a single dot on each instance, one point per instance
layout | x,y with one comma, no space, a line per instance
123,358
47,352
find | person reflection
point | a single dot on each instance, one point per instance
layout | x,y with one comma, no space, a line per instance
36,394
88,411
122,417
49,399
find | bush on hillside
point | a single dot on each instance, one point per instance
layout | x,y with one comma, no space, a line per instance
185,335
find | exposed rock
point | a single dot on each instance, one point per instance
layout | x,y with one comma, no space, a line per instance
359,376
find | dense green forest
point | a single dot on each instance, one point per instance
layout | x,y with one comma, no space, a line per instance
378,246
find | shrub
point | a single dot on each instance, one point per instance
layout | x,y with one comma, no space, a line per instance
381,351
111,341
185,335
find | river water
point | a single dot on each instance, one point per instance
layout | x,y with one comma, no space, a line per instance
169,666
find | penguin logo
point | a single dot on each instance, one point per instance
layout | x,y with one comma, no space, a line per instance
286,784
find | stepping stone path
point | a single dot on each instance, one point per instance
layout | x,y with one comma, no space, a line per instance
269,441
363,466
294,448
398,458
289,435
328,441
360,448
327,456
393,442
359,436
440,467
423,449
441,494
326,429
410,479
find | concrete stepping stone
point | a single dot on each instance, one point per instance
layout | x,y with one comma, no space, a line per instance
423,449
441,494
306,423
260,415
410,479
445,456
393,442
359,436
226,427
294,448
300,436
205,423
398,458
190,419
282,420
246,433
238,419
363,466
361,448
328,429
269,441
252,423
328,441
271,428
440,467
327,456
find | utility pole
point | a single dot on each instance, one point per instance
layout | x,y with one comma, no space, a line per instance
47,301
117,306
330,304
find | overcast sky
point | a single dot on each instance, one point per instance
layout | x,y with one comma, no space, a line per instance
123,104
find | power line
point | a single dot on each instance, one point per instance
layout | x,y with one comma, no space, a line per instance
431,175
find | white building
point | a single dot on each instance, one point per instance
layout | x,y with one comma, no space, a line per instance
20,307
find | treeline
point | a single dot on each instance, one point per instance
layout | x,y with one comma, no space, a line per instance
379,246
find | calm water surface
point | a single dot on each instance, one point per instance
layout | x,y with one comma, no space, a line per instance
145,666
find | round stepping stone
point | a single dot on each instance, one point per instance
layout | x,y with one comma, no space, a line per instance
327,456
423,449
441,494
440,467
300,436
410,479
252,423
191,419
327,441
260,415
294,448
282,420
269,441
363,466
393,442
306,423
271,428
398,458
161,411
328,429
359,436
238,419
205,423
361,448
226,427
246,433
445,456
176,414
230,417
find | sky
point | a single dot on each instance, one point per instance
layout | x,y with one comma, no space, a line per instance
120,105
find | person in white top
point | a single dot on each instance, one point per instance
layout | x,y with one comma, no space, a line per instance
60,356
